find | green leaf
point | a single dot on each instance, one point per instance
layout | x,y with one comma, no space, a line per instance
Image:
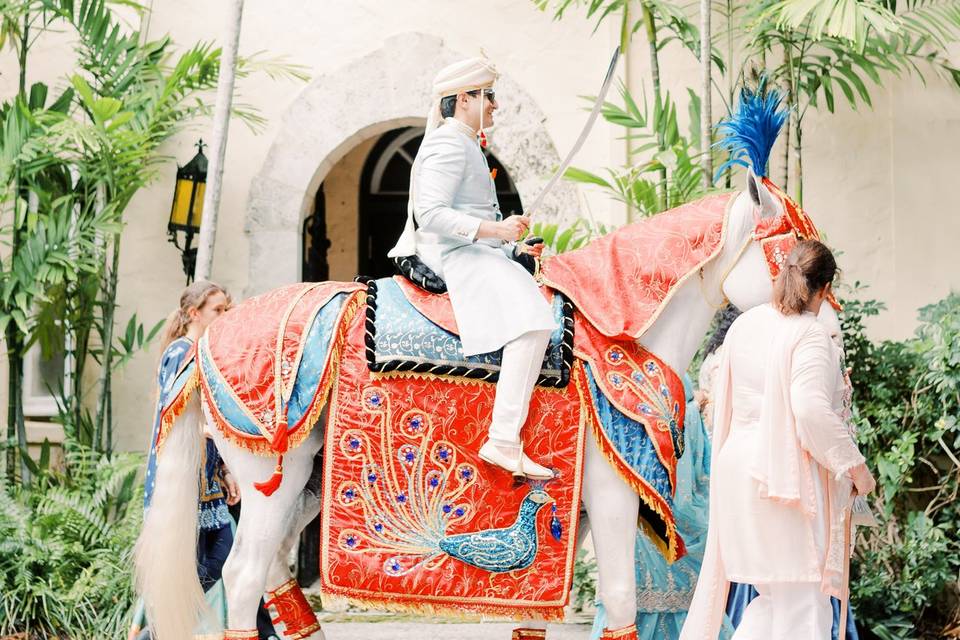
581,175
29,462
44,463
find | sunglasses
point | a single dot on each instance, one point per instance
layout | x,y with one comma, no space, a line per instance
489,93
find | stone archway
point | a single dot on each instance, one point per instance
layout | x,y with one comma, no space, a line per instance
386,89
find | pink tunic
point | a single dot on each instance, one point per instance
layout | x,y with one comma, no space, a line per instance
781,453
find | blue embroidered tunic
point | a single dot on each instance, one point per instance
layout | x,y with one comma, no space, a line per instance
213,506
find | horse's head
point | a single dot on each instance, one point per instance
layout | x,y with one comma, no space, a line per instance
764,224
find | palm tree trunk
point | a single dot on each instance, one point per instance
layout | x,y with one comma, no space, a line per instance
221,126
105,400
728,178
706,107
798,160
16,424
786,141
109,306
651,29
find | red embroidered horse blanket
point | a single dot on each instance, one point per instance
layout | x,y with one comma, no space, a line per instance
412,519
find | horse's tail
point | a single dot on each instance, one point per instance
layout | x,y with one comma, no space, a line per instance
166,552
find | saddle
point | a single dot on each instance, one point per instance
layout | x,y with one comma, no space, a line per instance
411,330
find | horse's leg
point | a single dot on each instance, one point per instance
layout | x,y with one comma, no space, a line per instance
306,509
613,508
284,597
264,523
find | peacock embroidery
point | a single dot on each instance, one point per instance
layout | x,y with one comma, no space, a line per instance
415,491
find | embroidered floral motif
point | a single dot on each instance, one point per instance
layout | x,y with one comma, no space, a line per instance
424,491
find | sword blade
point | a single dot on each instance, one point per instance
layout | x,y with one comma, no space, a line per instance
591,119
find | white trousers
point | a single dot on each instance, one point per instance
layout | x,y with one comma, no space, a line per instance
519,369
790,611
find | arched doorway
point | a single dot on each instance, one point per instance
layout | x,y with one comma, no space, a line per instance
385,189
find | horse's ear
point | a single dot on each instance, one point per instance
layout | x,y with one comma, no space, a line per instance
761,196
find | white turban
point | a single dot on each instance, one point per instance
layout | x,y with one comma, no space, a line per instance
459,77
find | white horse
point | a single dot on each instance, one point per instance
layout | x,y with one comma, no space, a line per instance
270,526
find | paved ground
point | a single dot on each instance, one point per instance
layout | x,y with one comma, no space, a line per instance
442,631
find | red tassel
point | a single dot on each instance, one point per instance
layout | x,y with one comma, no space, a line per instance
279,442
483,139
267,488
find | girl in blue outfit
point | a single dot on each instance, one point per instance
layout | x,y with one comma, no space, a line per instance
200,304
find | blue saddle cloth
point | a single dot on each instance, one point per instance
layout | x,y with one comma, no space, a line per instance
400,338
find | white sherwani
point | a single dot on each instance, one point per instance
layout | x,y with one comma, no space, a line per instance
494,299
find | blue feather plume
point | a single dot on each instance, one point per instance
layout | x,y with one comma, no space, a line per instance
752,129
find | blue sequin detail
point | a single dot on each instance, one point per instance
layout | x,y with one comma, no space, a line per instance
403,333
501,550
631,440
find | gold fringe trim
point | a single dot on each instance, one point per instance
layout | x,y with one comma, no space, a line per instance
459,380
672,548
175,409
461,610
622,632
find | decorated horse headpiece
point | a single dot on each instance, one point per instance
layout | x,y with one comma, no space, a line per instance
749,134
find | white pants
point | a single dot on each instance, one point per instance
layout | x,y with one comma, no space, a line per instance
519,369
792,611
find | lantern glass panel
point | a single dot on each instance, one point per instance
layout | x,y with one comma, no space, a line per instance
181,205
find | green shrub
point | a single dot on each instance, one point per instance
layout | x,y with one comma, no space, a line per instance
905,572
65,546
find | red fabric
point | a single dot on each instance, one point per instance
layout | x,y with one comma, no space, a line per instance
288,606
623,633
621,281
450,416
793,219
243,345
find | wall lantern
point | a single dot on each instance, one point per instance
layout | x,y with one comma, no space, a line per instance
187,209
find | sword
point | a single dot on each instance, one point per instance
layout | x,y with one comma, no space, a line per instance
591,119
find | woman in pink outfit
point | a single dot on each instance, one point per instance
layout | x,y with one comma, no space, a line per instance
785,465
